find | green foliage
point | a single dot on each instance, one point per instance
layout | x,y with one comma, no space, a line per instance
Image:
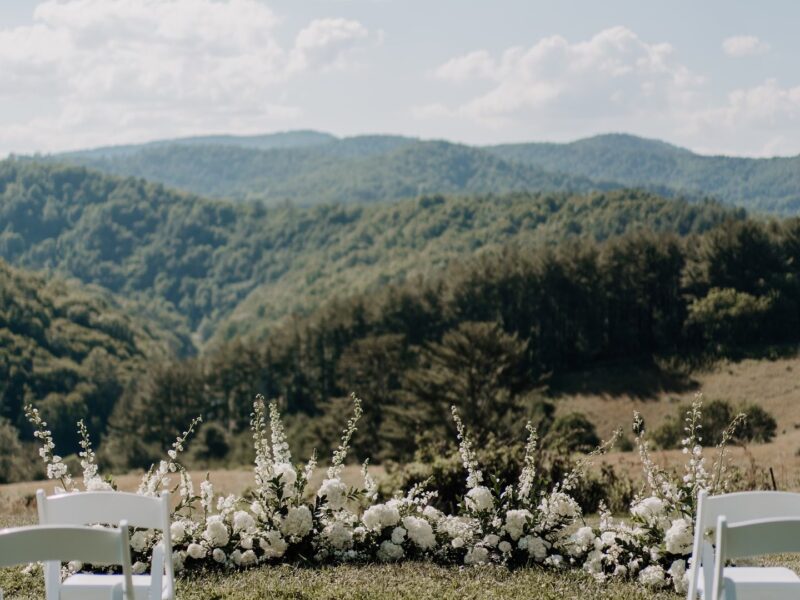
758,425
574,432
768,185
14,465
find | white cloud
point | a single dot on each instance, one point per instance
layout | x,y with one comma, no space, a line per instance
151,68
738,46
614,73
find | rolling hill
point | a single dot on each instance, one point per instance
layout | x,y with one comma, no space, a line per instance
765,184
214,269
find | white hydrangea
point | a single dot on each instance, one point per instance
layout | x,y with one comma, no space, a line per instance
177,531
420,532
581,540
536,547
476,555
680,577
338,535
334,492
491,540
433,514
216,532
243,522
649,508
273,545
505,547
457,527
139,541
196,551
378,516
480,499
652,576
138,568
398,535
389,551
558,507
218,555
248,558
515,522
298,521
678,537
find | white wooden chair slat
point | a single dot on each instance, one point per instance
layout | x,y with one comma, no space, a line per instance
23,545
108,508
736,507
755,538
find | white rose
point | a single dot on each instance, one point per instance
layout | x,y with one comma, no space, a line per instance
398,535
515,522
139,541
376,517
248,558
334,492
243,522
505,547
177,531
298,522
273,545
476,555
218,555
196,551
420,532
648,508
536,547
679,537
138,567
216,533
338,535
389,551
457,542
652,576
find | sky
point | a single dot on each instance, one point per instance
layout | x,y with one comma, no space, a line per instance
718,77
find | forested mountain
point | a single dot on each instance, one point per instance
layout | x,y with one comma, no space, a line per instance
768,185
487,335
195,261
309,167
354,170
70,348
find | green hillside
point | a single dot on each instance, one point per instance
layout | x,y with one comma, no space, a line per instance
768,185
69,348
353,170
195,261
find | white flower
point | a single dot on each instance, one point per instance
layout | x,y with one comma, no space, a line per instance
390,551
554,560
298,521
457,542
177,561
334,492
480,499
236,557
138,567
288,478
74,566
246,542
177,531
476,555
620,571
420,532
536,547
557,508
248,558
505,547
376,517
680,577
96,484
218,555
515,522
435,515
273,545
216,532
678,537
491,540
652,576
648,508
243,522
139,541
196,551
338,535
581,540
398,535
594,563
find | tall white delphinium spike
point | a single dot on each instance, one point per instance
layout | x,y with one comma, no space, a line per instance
156,477
720,482
474,475
261,444
56,468
280,448
695,475
91,480
370,487
527,476
337,463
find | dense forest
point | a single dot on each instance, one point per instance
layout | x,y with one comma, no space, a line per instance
211,269
765,185
69,348
356,170
487,334
311,167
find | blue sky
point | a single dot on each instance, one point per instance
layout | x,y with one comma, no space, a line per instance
717,77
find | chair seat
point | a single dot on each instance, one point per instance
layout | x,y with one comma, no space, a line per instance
88,586
759,582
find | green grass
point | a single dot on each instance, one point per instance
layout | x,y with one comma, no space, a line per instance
406,580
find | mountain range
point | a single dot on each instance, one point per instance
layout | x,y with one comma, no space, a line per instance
308,167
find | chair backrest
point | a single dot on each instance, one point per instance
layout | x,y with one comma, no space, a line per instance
752,538
110,508
24,545
737,507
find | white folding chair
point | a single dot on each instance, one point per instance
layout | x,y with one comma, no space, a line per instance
109,508
754,538
105,546
736,508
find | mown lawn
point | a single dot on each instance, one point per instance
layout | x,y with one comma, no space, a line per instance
406,580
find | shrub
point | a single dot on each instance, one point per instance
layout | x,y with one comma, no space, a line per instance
573,432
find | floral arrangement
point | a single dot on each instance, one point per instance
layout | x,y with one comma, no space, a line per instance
526,523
